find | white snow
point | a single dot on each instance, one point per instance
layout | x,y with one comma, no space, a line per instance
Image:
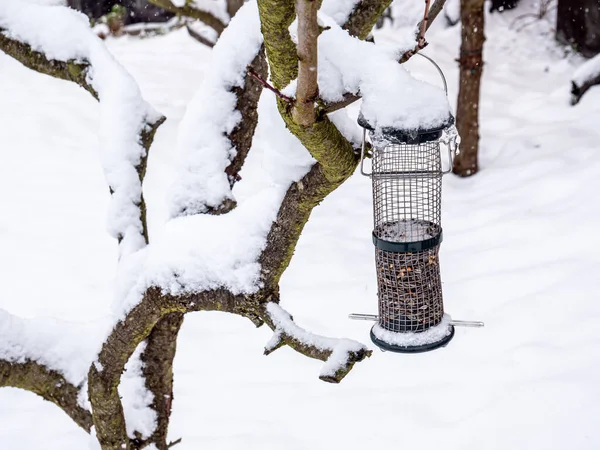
64,34
587,71
63,347
431,335
526,380
338,10
391,97
136,398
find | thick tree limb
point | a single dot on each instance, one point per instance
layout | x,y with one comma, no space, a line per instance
336,163
276,16
364,17
233,6
48,384
105,374
158,373
190,11
307,90
340,355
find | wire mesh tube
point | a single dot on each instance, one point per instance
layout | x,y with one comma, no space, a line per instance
407,184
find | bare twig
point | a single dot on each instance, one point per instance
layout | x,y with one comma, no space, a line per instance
308,89
197,36
421,42
174,443
421,39
434,11
266,85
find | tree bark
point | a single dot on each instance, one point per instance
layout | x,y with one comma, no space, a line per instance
578,25
158,372
471,67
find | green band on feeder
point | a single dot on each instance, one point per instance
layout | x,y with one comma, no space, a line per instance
407,247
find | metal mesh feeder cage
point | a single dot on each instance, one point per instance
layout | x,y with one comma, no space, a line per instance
407,191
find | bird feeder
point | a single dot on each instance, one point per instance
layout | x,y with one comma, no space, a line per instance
407,192
407,176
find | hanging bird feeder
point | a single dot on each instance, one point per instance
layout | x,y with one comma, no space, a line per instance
407,192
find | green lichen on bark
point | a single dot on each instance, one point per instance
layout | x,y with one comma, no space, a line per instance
364,16
69,71
337,161
276,16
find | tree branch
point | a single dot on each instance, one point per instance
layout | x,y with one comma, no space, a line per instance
578,90
77,73
276,16
364,17
48,384
189,11
105,374
157,369
70,71
339,355
307,90
247,104
197,36
434,11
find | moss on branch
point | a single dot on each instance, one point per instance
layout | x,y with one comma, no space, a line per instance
34,60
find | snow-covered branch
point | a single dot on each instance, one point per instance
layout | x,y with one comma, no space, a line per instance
48,384
215,14
216,132
58,41
48,358
586,76
363,17
339,355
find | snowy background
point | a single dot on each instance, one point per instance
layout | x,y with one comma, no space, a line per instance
520,253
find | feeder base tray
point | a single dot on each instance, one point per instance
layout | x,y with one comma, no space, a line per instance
415,348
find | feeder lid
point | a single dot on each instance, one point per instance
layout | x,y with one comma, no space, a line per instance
406,136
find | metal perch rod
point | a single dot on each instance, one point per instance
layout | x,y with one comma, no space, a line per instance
456,323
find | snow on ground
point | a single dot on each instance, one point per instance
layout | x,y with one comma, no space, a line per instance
519,253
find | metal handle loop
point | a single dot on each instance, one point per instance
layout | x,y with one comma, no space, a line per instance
452,146
439,69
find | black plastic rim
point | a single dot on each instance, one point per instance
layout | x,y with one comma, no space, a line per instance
417,136
407,247
416,349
